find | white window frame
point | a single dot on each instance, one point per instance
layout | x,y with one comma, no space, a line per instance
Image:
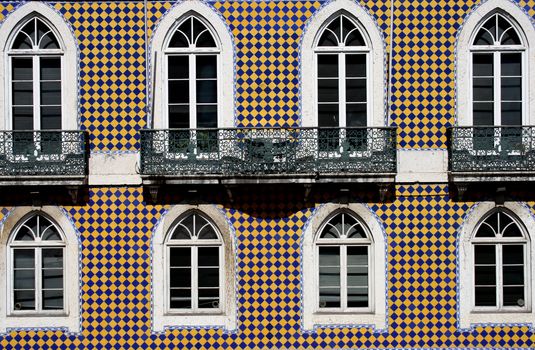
470,316
376,62
163,317
159,52
69,53
373,317
465,50
67,319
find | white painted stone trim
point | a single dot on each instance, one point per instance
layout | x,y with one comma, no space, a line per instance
69,84
226,317
226,61
422,166
465,276
70,320
114,169
376,73
313,319
464,70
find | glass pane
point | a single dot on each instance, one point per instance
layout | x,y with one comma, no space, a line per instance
357,256
51,93
180,277
483,65
209,298
329,276
511,64
483,113
53,299
208,256
484,89
24,279
206,66
24,258
207,91
511,113
51,234
511,89
51,119
208,277
22,41
180,298
513,275
52,257
178,91
485,296
329,231
335,27
513,296
485,275
329,297
357,297
49,42
347,26
485,254
180,257
328,115
178,117
178,67
328,90
206,40
506,33
513,254
207,116
355,39
329,256
328,39
357,276
23,118
23,94
22,68
180,39
328,66
484,38
356,90
356,66
207,232
24,234
356,231
52,278
512,231
24,300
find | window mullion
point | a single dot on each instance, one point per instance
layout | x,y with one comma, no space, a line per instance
342,87
343,277
497,89
38,279
36,94
192,92
194,281
499,276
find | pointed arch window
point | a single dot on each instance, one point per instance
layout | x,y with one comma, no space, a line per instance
195,265
498,73
501,266
36,250
35,70
343,248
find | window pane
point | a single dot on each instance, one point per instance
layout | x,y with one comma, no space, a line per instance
328,90
512,230
24,258
24,279
483,65
209,298
52,258
327,115
51,119
207,117
207,91
178,67
179,117
485,275
50,93
357,256
485,296
356,90
178,91
23,118
208,277
22,94
207,232
24,300
356,65
180,277
355,39
22,68
329,256
53,299
206,66
483,113
511,89
329,276
50,68
208,256
357,276
51,234
484,89
329,297
485,254
180,257
513,296
205,40
513,275
357,297
327,66
180,298
511,113
511,64
52,278
513,254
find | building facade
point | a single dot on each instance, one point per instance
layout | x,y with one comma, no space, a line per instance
267,174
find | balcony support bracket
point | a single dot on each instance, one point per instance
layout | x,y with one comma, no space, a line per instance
153,191
308,190
74,192
228,189
461,190
383,191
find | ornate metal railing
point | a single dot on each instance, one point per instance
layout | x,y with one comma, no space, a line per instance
260,151
492,149
44,152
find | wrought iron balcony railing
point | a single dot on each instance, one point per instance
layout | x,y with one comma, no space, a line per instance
264,151
43,153
484,149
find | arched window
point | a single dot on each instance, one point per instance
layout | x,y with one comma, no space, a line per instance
37,250
501,249
498,71
195,265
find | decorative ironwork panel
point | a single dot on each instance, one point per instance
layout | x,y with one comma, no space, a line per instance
263,151
49,152
492,149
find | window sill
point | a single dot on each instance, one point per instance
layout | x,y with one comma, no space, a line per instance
178,321
479,318
39,321
333,319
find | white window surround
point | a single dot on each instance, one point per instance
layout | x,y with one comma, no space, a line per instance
376,69
226,316
8,29
158,44
467,318
70,319
376,319
463,66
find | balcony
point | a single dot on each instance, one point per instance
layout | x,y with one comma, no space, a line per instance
268,155
46,157
492,154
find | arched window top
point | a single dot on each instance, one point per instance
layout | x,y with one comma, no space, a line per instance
192,33
193,227
497,30
37,228
500,224
344,226
341,32
35,35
